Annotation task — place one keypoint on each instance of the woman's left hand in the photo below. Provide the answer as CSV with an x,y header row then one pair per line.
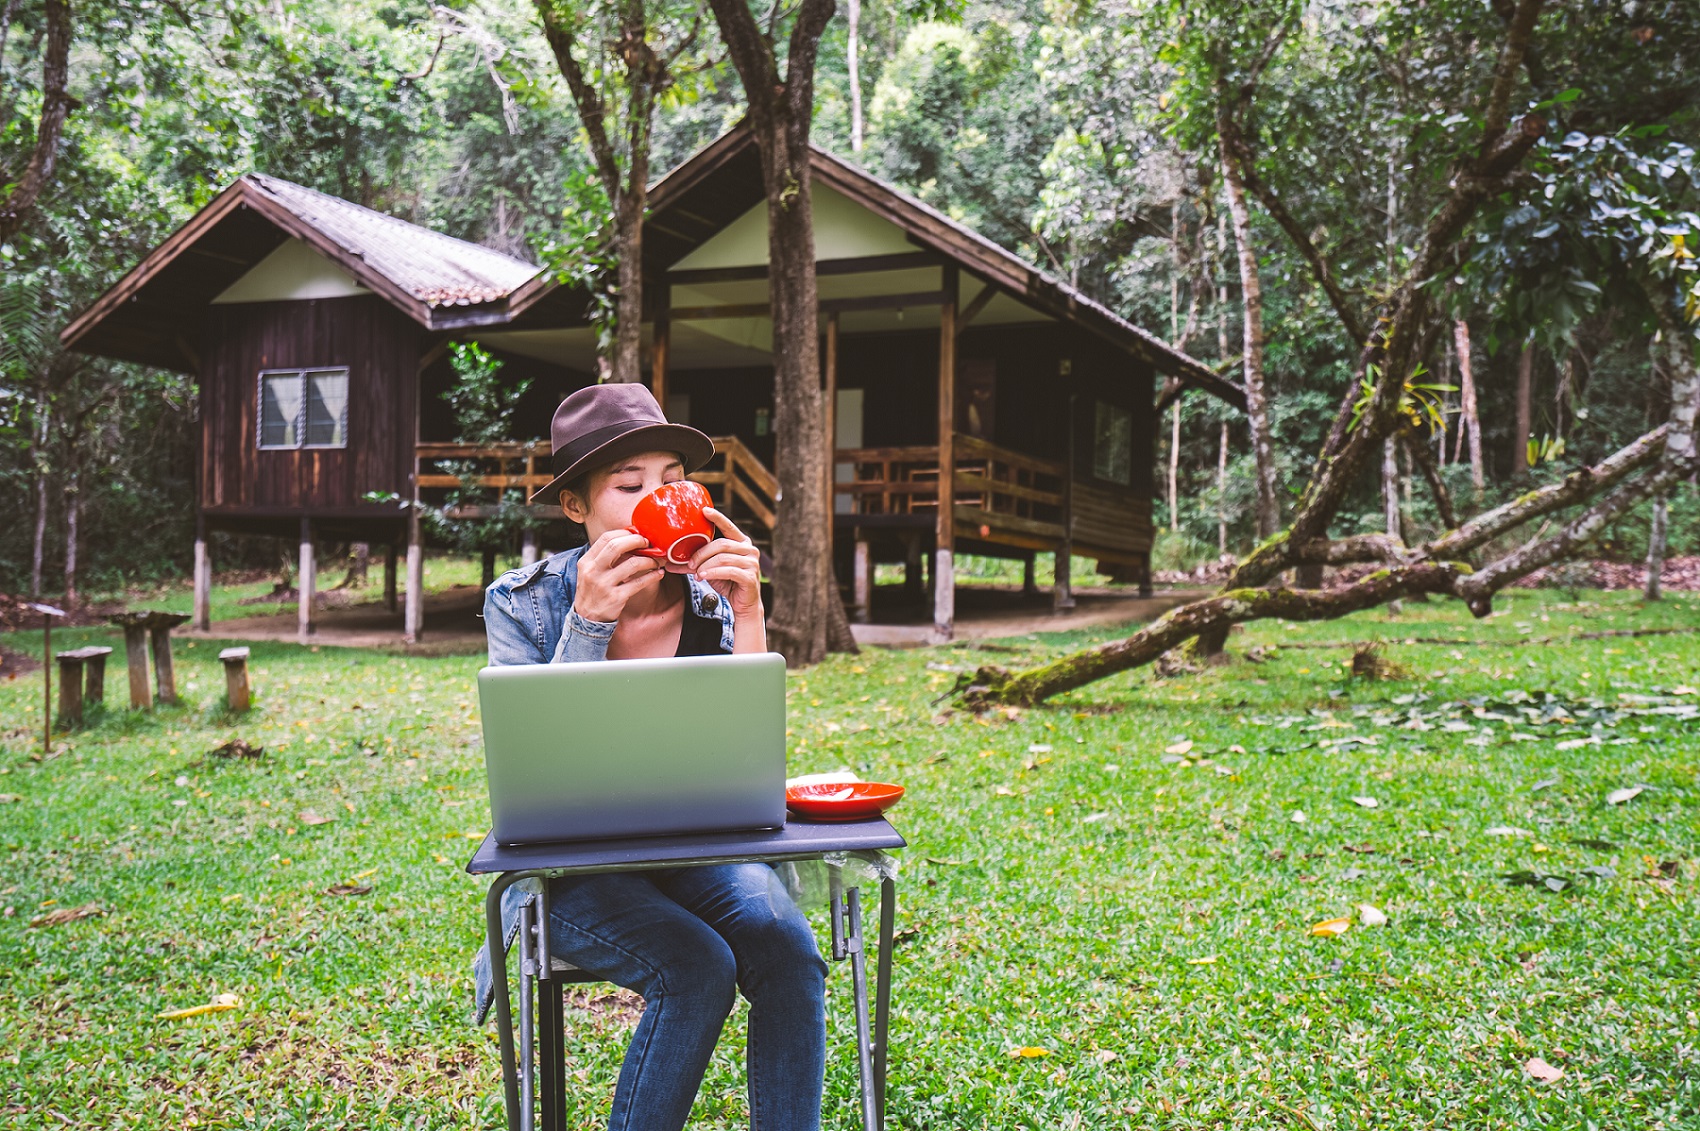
x,y
730,564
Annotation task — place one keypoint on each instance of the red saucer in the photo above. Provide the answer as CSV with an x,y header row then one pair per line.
x,y
842,801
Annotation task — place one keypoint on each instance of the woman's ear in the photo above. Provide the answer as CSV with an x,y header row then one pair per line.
x,y
573,507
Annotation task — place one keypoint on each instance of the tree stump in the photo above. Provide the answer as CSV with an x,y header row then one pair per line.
x,y
236,678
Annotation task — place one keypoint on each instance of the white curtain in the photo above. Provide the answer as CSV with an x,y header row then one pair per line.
x,y
280,410
327,407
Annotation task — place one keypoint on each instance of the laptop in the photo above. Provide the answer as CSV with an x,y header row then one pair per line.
x,y
627,748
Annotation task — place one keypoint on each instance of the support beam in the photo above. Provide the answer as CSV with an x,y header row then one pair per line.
x,y
658,353
306,583
389,577
975,306
864,582
1062,591
413,619
1029,576
829,357
236,690
944,540
202,618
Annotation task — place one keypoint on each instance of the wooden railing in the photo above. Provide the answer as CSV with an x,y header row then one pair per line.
x,y
739,483
993,484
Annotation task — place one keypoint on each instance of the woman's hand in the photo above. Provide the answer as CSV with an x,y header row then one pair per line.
x,y
731,565
610,574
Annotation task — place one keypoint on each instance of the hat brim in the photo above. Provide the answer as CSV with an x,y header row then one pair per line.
x,y
694,448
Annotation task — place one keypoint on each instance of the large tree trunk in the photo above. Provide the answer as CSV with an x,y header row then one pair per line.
x,y
1175,469
1525,410
780,115
1251,300
1656,550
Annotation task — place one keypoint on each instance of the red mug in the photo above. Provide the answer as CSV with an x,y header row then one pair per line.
x,y
671,518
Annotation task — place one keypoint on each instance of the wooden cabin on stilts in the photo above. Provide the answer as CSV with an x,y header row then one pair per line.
x,y
977,405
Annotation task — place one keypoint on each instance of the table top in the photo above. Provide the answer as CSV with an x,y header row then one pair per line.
x,y
798,840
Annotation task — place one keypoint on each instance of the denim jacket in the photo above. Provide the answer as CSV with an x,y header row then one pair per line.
x,y
529,619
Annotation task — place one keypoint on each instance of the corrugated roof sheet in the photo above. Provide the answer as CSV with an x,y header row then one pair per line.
x,y
434,268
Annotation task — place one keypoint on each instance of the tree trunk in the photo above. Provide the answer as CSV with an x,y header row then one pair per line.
x,y
1251,300
1656,550
42,476
780,114
853,58
1222,491
1525,407
1390,487
73,512
1467,396
1175,470
18,198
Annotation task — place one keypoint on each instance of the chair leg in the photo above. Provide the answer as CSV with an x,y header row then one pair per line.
x,y
527,1026
882,992
552,1054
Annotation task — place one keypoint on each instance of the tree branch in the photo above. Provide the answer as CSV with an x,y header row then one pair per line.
x,y
1424,459
592,111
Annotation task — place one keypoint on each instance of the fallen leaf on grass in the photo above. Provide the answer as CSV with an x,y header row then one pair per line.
x,y
1627,793
1366,802
1507,830
1179,747
8,798
1543,1071
348,889
1106,1056
1331,928
67,915
1039,748
1371,916
1298,817
1201,961
308,817
236,748
1004,791
1031,1052
217,1005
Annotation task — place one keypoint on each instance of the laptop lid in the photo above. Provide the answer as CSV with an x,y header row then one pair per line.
x,y
619,748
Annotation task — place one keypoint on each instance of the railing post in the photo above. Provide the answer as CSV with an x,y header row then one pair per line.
x,y
944,572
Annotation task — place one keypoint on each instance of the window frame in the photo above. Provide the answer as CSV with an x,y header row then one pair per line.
x,y
300,373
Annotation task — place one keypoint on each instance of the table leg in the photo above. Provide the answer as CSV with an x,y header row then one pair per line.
x,y
864,1040
882,992
504,1004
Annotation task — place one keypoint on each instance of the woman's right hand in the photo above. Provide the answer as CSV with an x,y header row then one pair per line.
x,y
611,573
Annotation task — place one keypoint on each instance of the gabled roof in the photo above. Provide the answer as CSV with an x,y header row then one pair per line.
x,y
722,181
151,315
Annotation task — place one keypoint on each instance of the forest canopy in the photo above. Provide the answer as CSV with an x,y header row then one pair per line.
x,y
1261,184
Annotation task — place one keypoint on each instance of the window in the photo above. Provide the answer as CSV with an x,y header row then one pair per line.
x,y
303,408
1112,443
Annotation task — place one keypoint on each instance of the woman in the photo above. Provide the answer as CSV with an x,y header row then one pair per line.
x,y
686,938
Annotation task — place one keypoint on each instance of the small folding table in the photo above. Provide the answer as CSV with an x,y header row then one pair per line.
x,y
796,841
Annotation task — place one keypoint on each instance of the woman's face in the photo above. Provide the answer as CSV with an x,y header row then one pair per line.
x,y
611,492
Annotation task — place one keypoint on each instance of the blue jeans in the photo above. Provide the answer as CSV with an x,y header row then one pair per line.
x,y
686,939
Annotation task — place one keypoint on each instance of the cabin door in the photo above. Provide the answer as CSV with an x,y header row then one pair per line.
x,y
848,416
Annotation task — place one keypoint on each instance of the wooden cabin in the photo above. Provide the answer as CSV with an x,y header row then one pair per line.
x,y
978,405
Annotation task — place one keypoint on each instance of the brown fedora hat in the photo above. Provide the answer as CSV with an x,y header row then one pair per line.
x,y
600,424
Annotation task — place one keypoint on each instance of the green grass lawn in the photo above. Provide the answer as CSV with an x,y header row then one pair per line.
x,y
1080,881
